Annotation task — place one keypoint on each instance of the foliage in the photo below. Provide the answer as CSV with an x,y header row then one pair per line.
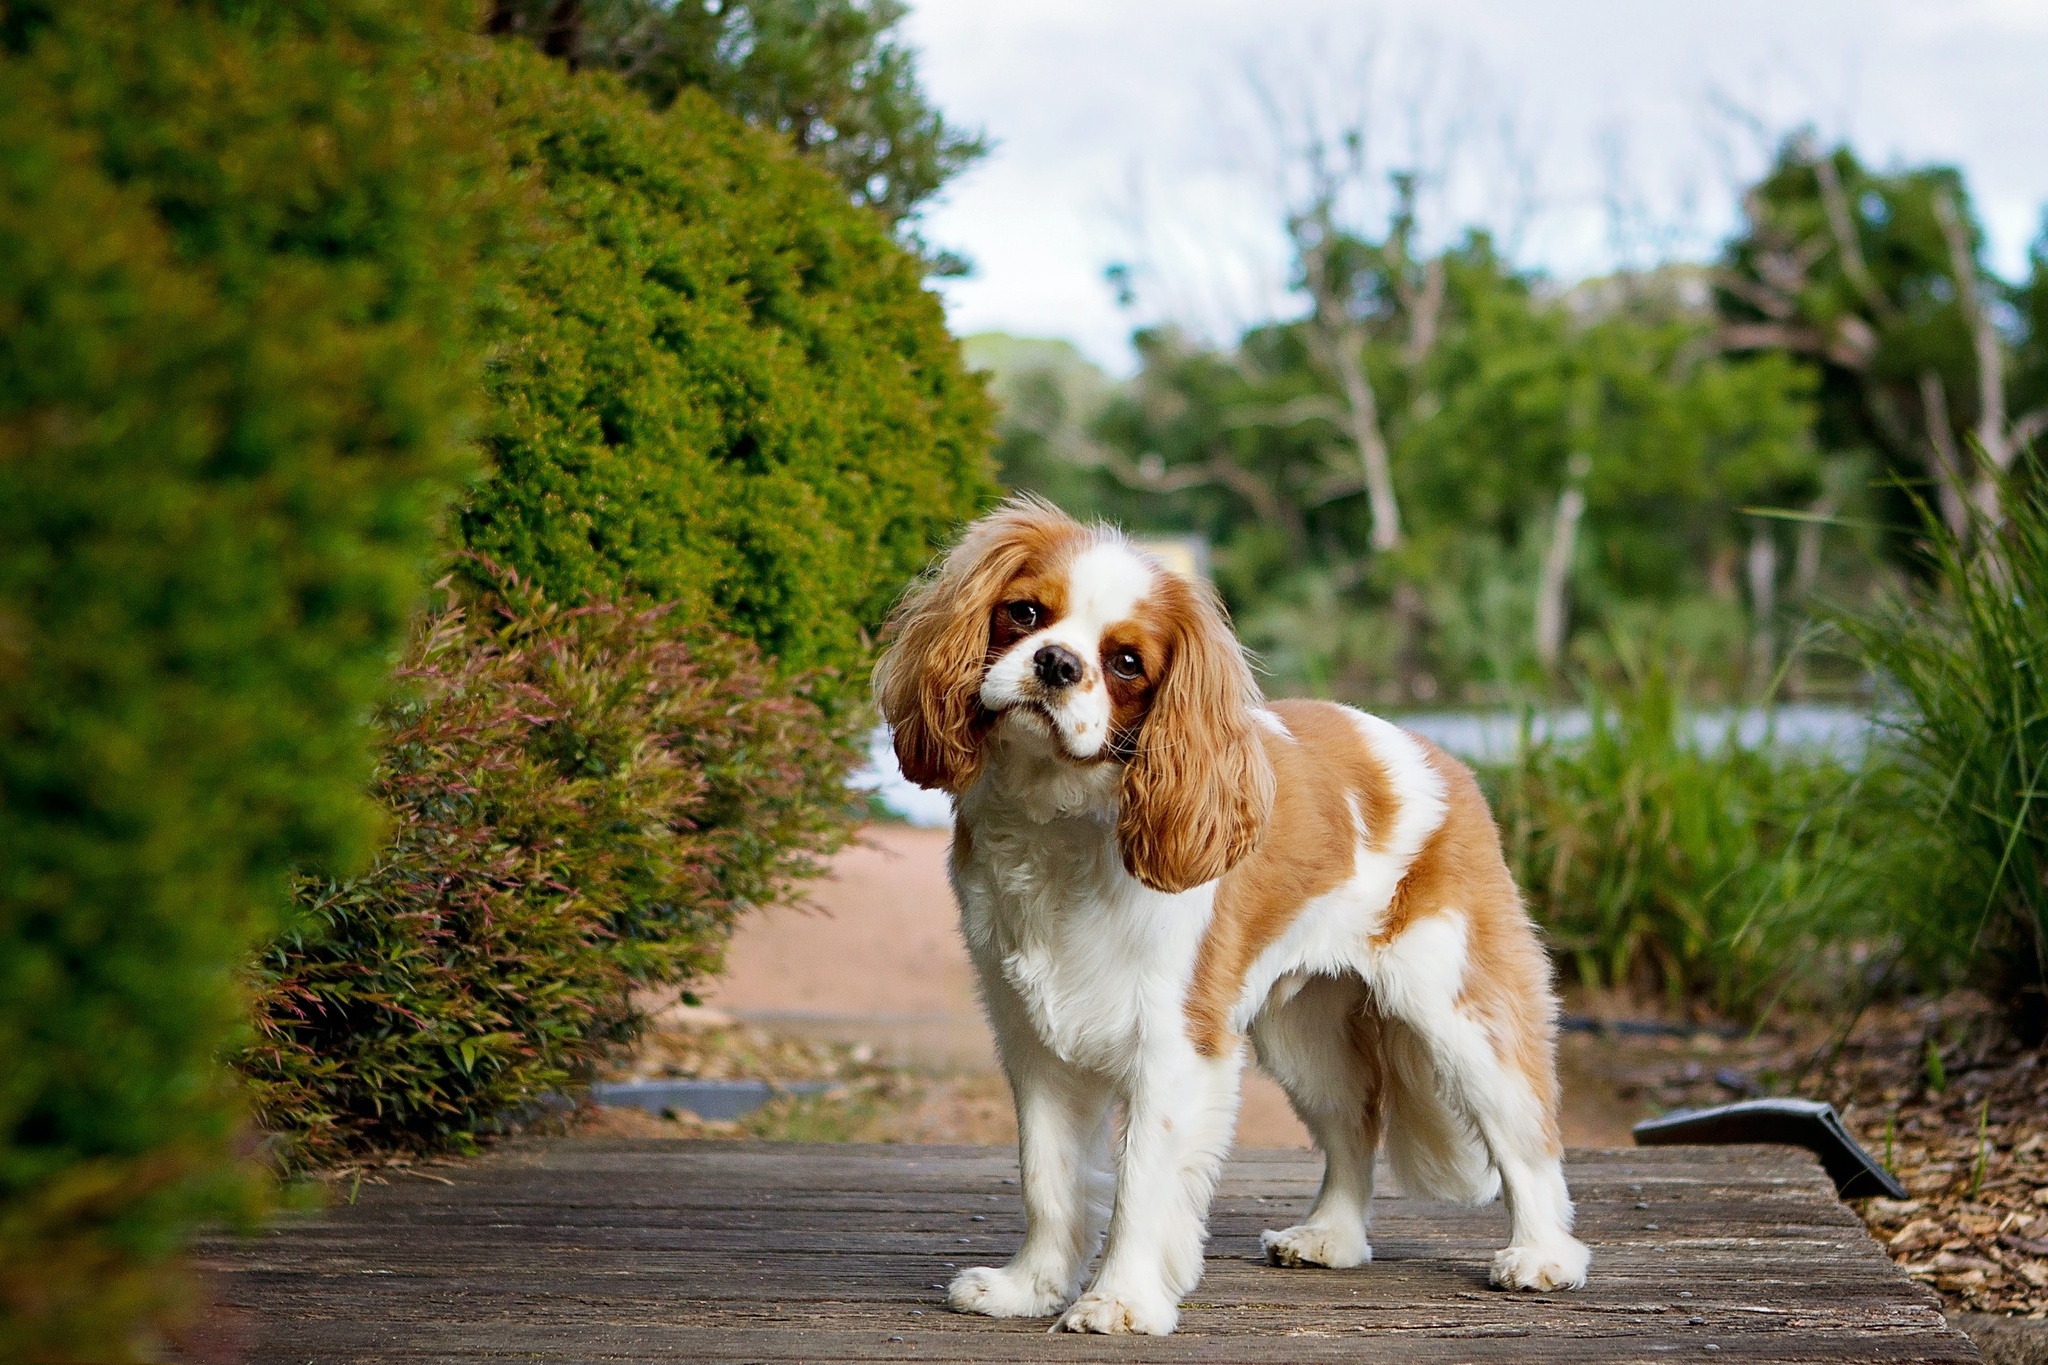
x,y
1665,858
722,386
1614,398
1966,823
828,75
1928,363
235,298
2030,360
717,386
1447,478
581,801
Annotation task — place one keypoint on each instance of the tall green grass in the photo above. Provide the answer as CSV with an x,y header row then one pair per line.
x,y
1698,868
1961,826
1734,876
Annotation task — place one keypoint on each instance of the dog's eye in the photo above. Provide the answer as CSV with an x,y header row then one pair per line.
x,y
1126,664
1024,614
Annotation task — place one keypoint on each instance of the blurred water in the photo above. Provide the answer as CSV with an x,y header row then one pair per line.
x,y
1491,736
880,775
1475,736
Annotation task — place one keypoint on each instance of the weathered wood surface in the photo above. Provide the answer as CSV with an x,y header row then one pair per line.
x,y
581,1250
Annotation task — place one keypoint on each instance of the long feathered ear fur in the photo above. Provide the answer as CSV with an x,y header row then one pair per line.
x,y
928,680
1198,790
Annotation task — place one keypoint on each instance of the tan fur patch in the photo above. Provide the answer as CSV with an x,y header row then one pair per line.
x,y
1310,848
928,680
1507,975
1197,789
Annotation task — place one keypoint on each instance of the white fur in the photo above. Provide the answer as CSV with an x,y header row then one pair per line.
x,y
1085,974
1270,720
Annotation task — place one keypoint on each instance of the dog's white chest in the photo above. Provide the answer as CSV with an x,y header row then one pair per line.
x,y
1086,950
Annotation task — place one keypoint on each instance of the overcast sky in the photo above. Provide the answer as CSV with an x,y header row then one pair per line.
x,y
1127,131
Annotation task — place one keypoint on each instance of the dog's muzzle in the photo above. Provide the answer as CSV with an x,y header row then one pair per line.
x,y
1057,667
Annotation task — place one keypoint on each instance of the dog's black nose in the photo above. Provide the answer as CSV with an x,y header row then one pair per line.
x,y
1057,666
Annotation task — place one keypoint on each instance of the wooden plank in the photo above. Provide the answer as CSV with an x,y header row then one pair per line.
x,y
707,1251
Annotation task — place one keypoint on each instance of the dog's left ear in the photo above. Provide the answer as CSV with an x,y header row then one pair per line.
x,y
928,680
1198,790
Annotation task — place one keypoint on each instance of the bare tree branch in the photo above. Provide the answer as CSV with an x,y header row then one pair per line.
x,y
1555,577
1849,344
1769,302
1763,605
1944,459
1310,407
1848,245
1337,341
1331,487
1150,474
1806,557
1771,336
1993,439
1783,264
2029,429
1425,308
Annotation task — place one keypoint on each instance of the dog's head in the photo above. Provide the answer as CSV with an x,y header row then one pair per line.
x,y
1073,635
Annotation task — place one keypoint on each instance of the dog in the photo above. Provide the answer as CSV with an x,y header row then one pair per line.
x,y
1155,867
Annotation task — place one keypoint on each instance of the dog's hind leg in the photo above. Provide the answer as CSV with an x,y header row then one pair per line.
x,y
1499,1071
1315,1038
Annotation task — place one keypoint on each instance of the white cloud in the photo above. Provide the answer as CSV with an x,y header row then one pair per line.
x,y
1087,100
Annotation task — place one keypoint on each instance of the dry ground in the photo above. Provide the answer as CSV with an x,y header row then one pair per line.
x,y
1958,1111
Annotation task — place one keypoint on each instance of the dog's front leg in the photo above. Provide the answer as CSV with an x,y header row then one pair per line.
x,y
1177,1130
1062,1150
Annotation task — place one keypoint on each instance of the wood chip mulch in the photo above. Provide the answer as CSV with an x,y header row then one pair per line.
x,y
1954,1107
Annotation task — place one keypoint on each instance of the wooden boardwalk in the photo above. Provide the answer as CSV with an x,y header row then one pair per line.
x,y
629,1251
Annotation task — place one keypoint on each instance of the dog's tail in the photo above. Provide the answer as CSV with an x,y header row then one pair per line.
x,y
1435,1151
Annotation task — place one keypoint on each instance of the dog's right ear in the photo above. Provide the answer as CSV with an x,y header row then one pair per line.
x,y
928,680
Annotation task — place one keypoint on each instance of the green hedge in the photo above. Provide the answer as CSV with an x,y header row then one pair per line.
x,y
581,802
721,384
720,387
240,252
235,287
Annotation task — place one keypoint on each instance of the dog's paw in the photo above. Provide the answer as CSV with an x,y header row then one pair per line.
x,y
997,1293
1556,1265
1312,1244
1117,1314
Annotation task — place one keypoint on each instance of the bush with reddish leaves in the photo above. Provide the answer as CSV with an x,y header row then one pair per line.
x,y
580,801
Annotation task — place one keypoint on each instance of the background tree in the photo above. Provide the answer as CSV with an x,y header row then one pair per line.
x,y
829,75
1877,279
1564,466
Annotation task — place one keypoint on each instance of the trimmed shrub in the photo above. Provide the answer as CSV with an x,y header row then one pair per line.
x,y
723,387
581,801
235,294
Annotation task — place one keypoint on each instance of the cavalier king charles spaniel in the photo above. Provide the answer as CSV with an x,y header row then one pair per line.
x,y
1156,866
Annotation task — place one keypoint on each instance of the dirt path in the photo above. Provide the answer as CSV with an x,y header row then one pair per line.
x,y
878,959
